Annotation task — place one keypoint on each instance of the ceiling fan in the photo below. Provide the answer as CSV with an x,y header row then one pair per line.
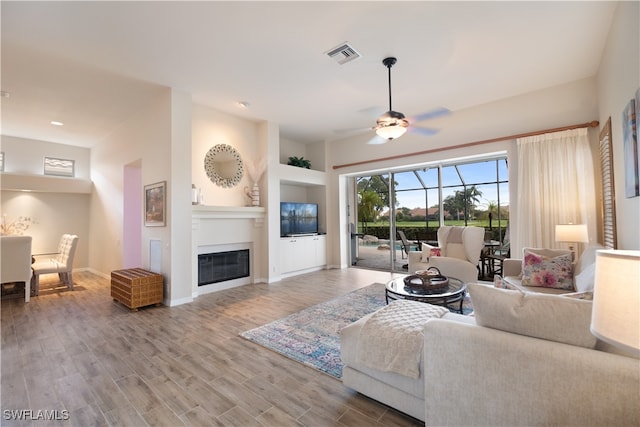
x,y
393,124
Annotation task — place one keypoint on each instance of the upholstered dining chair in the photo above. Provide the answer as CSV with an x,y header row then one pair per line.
x,y
60,262
15,266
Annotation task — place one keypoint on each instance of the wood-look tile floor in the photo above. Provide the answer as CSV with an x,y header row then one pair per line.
x,y
81,352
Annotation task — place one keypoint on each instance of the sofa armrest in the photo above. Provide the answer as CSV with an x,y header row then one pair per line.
x,y
511,267
483,376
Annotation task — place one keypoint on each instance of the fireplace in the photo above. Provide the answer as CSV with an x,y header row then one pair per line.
x,y
223,266
222,229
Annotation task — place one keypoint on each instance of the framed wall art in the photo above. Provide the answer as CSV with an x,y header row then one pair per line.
x,y
630,147
155,204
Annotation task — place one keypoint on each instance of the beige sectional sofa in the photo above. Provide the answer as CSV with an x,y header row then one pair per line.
x,y
522,359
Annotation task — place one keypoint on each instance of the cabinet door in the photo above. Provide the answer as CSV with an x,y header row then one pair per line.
x,y
321,251
288,254
301,253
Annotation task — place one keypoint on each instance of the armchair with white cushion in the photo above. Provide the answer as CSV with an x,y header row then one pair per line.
x,y
459,249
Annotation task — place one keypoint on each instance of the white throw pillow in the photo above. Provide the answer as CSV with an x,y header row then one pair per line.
x,y
550,317
585,280
429,251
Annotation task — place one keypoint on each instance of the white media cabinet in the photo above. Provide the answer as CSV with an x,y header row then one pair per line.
x,y
299,253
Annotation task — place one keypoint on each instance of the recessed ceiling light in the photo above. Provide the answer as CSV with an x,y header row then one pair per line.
x,y
56,123
243,104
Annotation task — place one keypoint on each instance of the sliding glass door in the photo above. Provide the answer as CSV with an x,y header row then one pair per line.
x,y
417,201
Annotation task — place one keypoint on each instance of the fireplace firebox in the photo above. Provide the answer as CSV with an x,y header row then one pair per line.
x,y
222,266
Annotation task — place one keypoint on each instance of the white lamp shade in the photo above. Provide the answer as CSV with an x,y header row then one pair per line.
x,y
573,233
391,132
616,299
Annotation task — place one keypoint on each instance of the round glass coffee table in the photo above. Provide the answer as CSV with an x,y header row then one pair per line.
x,y
396,289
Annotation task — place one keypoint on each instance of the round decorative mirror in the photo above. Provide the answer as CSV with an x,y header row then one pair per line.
x,y
224,166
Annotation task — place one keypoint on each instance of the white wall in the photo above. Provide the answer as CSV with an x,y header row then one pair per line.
x,y
26,156
54,212
617,82
210,128
159,141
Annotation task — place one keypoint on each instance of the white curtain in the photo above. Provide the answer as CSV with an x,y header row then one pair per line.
x,y
555,186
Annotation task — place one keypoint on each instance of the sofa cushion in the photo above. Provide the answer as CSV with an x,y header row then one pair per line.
x,y
547,268
549,317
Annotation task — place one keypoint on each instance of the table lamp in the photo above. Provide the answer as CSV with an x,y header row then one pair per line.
x,y
572,234
615,318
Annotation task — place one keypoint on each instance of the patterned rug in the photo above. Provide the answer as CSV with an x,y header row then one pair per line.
x,y
312,337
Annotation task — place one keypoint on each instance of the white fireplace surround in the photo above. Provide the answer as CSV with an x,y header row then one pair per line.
x,y
220,229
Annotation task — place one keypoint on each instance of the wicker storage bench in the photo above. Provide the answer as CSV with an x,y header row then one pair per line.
x,y
136,287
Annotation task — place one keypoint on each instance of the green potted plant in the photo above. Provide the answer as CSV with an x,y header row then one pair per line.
x,y
300,162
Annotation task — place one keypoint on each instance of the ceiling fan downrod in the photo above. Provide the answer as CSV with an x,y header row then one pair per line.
x,y
388,62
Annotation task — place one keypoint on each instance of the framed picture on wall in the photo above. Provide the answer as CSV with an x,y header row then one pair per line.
x,y
155,204
630,147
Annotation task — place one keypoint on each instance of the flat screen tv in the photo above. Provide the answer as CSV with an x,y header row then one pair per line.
x,y
298,218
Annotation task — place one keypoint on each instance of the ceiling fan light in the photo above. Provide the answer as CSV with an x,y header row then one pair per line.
x,y
391,132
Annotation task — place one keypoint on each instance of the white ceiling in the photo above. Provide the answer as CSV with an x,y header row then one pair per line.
x,y
92,64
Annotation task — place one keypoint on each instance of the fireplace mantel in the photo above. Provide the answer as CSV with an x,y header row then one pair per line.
x,y
225,228
228,212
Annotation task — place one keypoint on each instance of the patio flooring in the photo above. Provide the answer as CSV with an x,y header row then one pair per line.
x,y
378,257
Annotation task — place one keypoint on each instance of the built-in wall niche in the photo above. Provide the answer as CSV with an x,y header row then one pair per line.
x,y
314,153
307,194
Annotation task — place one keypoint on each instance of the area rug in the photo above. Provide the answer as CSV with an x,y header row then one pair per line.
x,y
312,336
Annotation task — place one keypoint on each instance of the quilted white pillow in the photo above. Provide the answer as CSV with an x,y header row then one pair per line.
x,y
550,317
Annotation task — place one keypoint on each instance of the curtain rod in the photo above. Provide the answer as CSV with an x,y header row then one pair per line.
x,y
591,124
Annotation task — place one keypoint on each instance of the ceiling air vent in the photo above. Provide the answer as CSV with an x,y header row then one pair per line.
x,y
343,54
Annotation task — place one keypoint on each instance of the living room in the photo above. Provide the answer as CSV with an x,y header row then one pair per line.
x,y
171,117
167,134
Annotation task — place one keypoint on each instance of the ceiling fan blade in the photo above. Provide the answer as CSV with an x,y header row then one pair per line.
x,y
377,140
372,111
351,131
423,131
431,114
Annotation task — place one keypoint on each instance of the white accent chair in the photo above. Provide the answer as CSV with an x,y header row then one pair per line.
x,y
460,252
16,261
60,262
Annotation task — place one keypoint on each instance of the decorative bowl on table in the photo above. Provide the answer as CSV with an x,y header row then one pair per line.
x,y
424,282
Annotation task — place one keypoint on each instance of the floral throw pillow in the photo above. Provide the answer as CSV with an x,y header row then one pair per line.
x,y
547,268
429,251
